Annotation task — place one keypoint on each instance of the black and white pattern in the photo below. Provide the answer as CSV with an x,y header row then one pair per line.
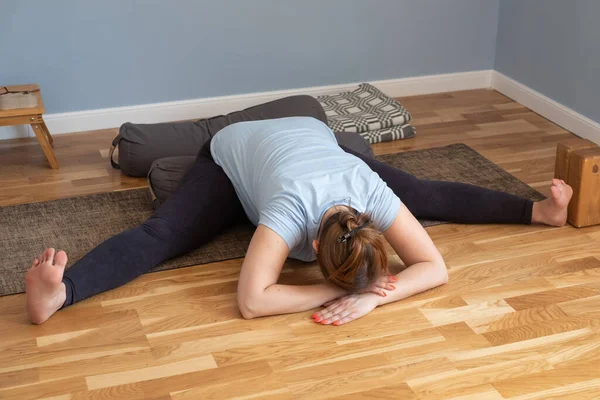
x,y
369,112
397,132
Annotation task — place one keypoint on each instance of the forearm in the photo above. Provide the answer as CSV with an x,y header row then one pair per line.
x,y
285,299
417,278
413,245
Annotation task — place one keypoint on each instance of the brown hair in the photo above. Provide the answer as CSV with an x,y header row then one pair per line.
x,y
351,251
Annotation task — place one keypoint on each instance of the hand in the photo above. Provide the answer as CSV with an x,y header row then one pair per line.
x,y
346,309
385,282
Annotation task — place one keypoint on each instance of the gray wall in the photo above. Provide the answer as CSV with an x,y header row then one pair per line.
x,y
108,53
553,46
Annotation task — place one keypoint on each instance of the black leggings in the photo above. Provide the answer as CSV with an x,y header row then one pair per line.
x,y
206,204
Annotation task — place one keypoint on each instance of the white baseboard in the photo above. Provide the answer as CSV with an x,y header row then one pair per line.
x,y
561,115
89,120
80,121
15,132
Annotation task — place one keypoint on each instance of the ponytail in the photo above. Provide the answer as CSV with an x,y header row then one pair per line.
x,y
352,252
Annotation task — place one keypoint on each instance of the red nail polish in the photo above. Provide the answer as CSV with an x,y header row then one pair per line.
x,y
336,323
317,319
324,322
393,278
314,315
384,294
393,287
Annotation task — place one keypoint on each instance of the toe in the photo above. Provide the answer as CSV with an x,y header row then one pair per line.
x,y
556,182
36,262
46,254
49,253
556,192
60,260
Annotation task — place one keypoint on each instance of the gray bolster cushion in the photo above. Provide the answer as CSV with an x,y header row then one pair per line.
x,y
140,144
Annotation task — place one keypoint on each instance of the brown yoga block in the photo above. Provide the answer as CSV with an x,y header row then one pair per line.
x,y
584,177
563,151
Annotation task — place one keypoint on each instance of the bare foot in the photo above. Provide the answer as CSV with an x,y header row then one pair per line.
x,y
43,284
553,210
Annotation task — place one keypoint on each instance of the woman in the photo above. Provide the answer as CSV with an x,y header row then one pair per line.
x,y
310,199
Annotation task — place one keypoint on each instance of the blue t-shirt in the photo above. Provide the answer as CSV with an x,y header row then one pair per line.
x,y
287,172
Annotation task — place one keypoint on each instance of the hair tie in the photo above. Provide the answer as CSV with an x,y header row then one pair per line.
x,y
352,232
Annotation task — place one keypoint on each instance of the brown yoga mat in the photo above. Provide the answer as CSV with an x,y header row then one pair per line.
x,y
78,224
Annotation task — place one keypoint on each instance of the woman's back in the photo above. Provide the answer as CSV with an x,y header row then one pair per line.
x,y
287,172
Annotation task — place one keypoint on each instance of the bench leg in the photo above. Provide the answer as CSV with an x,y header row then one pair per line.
x,y
43,137
47,132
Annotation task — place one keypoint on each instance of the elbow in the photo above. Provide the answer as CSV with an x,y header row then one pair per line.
x,y
246,313
443,273
444,278
248,308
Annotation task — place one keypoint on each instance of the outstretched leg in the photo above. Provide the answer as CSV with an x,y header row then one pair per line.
x,y
204,205
469,204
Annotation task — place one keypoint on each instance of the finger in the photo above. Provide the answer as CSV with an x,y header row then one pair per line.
x,y
330,312
387,279
320,315
379,292
347,319
317,316
386,286
333,319
341,315
339,308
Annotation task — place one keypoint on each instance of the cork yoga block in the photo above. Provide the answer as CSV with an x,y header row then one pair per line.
x,y
584,177
563,152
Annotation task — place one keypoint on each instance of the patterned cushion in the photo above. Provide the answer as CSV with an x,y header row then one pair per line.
x,y
397,132
366,110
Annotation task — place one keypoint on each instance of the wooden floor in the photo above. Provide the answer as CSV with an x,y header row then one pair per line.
x,y
520,318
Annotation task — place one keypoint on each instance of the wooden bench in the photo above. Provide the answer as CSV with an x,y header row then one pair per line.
x,y
30,116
